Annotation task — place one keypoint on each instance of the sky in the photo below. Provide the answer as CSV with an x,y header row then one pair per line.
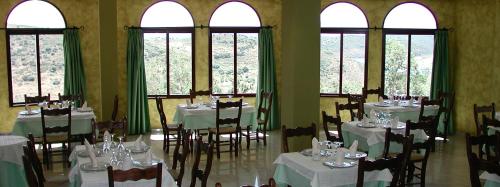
x,y
36,13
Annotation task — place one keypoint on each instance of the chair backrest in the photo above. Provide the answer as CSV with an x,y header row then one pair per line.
x,y
115,127
36,99
135,174
349,107
490,164
482,110
430,128
57,112
489,122
271,183
180,157
28,171
360,100
397,138
266,97
299,131
161,113
393,164
197,173
334,120
115,108
449,99
37,165
221,122
378,91
78,99
425,103
193,94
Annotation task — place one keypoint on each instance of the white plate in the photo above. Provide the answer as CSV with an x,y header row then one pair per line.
x,y
84,109
85,153
100,144
194,106
410,106
381,105
345,164
244,104
389,126
308,152
142,149
358,155
27,113
369,125
143,163
101,166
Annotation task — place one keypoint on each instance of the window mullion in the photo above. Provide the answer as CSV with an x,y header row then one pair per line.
x,y
341,65
38,64
408,66
235,64
167,40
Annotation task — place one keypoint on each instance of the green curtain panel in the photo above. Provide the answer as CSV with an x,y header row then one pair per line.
x,y
441,72
74,76
138,112
267,74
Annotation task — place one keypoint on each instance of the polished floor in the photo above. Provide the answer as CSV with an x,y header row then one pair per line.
x,y
447,166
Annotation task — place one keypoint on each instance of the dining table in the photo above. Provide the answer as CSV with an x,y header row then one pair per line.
x,y
371,138
202,116
81,178
490,179
32,122
297,169
11,162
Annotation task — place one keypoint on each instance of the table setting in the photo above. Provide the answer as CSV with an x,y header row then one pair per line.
x,y
90,162
325,164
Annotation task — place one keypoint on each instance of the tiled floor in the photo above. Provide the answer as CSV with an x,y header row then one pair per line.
x,y
447,166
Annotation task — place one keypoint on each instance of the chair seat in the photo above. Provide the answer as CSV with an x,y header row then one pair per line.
x,y
223,130
174,173
416,157
53,139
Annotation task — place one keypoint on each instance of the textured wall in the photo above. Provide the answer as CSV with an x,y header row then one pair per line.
x,y
130,12
77,13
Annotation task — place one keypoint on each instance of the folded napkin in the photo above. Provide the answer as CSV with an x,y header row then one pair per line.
x,y
84,104
420,99
380,99
106,136
391,98
339,157
138,142
365,121
395,122
127,163
149,157
410,103
315,146
90,150
188,102
354,148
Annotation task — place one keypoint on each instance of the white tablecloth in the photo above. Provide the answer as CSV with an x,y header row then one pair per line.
x,y
204,116
321,175
80,123
490,177
404,113
377,135
497,115
100,179
11,149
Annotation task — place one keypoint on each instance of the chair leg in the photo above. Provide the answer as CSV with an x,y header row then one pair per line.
x,y
231,143
248,138
237,143
217,144
164,142
264,135
445,135
168,143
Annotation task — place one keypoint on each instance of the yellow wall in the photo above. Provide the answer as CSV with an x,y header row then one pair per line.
x,y
77,13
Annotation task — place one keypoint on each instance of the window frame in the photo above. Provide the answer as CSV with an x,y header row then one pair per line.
x,y
174,30
235,31
343,31
27,31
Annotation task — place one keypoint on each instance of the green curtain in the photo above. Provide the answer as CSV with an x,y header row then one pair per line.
x,y
267,74
441,72
138,112
74,76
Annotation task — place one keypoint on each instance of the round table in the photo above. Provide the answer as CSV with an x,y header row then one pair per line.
x,y
11,162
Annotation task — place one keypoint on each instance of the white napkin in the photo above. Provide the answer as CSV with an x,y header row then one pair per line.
x,y
106,136
188,103
315,146
395,122
410,103
138,142
365,121
420,99
380,99
92,156
373,115
354,148
127,163
339,157
391,98
149,157
84,106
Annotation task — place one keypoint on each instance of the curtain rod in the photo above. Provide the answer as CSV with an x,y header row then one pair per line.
x,y
74,27
196,27
441,29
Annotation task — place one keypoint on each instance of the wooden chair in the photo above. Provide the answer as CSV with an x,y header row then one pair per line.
x,y
406,142
378,91
360,101
193,94
49,131
430,128
299,131
168,129
482,110
36,99
335,120
135,174
262,119
78,99
32,155
196,173
349,107
428,103
115,108
489,122
271,183
225,126
28,171
448,98
393,164
477,164
486,146
180,157
119,128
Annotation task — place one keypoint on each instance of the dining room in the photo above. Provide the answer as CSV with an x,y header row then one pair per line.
x,y
249,93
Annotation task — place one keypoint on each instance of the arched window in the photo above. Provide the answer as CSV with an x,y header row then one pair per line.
x,y
168,49
35,51
344,31
408,50
234,28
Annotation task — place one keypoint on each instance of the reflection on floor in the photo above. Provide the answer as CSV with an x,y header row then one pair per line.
x,y
447,166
